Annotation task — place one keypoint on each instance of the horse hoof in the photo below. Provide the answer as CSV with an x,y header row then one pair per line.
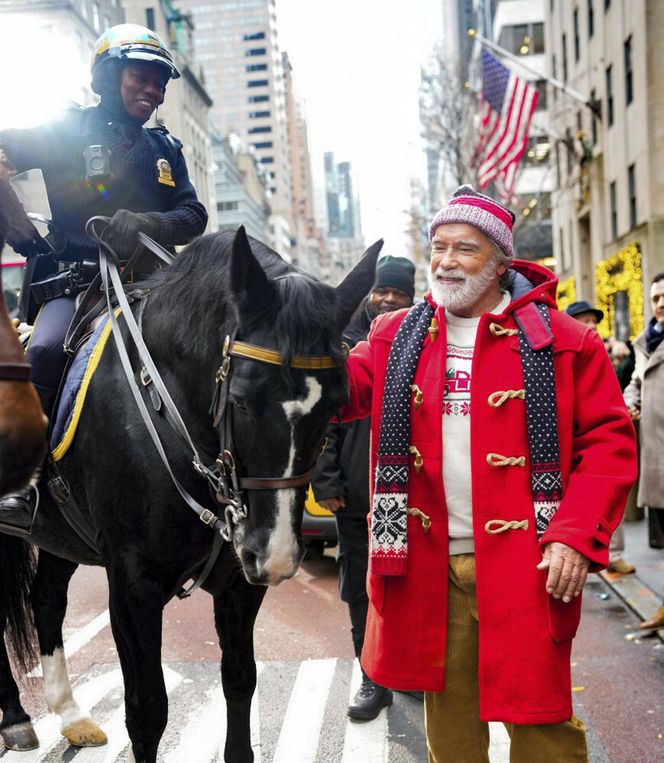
x,y
85,733
20,737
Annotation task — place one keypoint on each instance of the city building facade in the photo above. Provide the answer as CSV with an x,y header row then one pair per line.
x,y
608,205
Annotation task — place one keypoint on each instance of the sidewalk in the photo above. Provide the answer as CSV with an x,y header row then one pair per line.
x,y
643,592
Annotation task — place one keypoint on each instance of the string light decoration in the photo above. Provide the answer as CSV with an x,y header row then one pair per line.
x,y
566,293
620,273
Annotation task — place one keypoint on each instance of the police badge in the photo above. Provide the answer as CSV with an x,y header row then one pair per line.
x,y
164,170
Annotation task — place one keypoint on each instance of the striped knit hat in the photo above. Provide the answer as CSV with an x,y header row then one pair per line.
x,y
473,208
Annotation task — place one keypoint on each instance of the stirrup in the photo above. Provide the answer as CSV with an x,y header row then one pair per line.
x,y
17,530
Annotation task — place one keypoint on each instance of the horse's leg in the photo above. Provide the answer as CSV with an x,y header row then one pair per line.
x,y
49,602
16,729
235,610
136,604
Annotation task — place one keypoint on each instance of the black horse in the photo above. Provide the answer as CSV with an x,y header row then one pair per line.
x,y
231,322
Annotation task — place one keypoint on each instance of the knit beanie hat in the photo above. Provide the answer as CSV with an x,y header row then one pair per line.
x,y
473,208
397,272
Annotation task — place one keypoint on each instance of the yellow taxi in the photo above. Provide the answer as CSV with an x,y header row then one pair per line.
x,y
319,528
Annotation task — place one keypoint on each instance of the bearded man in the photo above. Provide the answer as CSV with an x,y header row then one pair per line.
x,y
502,455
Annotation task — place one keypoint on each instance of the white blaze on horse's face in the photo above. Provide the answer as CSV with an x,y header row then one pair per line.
x,y
283,553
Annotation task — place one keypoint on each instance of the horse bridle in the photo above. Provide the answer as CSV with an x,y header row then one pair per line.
x,y
224,422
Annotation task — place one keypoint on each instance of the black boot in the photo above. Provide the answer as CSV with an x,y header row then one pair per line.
x,y
17,511
369,700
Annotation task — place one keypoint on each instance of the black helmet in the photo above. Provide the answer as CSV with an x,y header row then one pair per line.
x,y
127,42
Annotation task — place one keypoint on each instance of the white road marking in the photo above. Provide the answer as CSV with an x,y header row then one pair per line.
x,y
300,731
367,741
116,730
204,735
48,726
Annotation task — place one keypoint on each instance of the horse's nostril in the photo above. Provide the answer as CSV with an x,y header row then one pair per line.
x,y
249,560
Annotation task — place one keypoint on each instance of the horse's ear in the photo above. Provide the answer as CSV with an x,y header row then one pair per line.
x,y
356,285
248,283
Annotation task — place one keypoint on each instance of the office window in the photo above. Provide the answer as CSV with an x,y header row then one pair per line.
x,y
258,99
256,67
256,130
591,18
564,54
267,144
614,210
554,90
267,160
540,84
149,18
577,44
258,114
257,83
593,124
255,52
607,4
631,190
255,36
569,147
227,206
629,73
523,39
609,96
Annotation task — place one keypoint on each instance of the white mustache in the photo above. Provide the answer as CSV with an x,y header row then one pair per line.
x,y
453,274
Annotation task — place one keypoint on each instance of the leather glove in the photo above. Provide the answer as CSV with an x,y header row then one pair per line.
x,y
122,232
25,239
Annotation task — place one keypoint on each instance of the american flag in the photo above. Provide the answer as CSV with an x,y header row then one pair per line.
x,y
507,105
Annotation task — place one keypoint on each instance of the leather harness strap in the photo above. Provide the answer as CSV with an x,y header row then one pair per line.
x,y
14,372
252,351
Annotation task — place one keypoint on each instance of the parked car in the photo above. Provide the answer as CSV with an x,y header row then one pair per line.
x,y
319,528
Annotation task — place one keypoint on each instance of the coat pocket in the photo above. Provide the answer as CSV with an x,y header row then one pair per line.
x,y
564,618
376,591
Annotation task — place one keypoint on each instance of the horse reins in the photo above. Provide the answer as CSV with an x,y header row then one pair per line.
x,y
224,482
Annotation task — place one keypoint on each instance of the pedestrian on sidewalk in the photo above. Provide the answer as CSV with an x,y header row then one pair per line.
x,y
592,317
498,436
341,479
644,396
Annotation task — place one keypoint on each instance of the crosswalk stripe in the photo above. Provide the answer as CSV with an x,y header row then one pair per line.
x,y
366,742
115,728
47,727
300,732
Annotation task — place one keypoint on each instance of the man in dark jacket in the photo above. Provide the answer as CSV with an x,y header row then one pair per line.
x,y
341,479
98,161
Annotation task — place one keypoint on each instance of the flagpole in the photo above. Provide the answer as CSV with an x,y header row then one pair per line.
x,y
594,106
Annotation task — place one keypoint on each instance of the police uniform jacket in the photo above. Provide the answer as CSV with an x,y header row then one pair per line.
x,y
137,168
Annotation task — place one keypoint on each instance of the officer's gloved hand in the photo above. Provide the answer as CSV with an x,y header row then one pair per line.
x,y
122,232
25,239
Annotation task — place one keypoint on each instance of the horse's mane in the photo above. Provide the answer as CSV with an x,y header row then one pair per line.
x,y
302,311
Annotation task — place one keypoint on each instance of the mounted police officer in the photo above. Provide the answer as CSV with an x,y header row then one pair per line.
x,y
98,161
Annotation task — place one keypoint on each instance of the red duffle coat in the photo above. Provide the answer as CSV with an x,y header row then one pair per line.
x,y
525,635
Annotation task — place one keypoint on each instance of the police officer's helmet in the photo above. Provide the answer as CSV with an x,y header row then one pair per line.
x,y
129,42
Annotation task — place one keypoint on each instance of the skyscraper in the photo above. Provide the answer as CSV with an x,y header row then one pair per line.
x,y
236,46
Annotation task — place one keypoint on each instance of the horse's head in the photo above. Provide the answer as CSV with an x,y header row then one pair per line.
x,y
276,413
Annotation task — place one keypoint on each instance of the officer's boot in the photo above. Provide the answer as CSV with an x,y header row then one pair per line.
x,y
17,511
369,700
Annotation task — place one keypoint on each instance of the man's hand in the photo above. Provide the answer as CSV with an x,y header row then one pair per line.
x,y
333,504
123,230
635,413
568,570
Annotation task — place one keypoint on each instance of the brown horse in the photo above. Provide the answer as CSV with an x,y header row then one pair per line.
x,y
22,421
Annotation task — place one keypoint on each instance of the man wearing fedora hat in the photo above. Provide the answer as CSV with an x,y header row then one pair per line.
x,y
591,316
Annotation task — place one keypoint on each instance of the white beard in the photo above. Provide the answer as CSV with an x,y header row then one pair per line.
x,y
466,291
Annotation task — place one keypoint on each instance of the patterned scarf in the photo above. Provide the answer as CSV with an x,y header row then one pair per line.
x,y
389,518
541,419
